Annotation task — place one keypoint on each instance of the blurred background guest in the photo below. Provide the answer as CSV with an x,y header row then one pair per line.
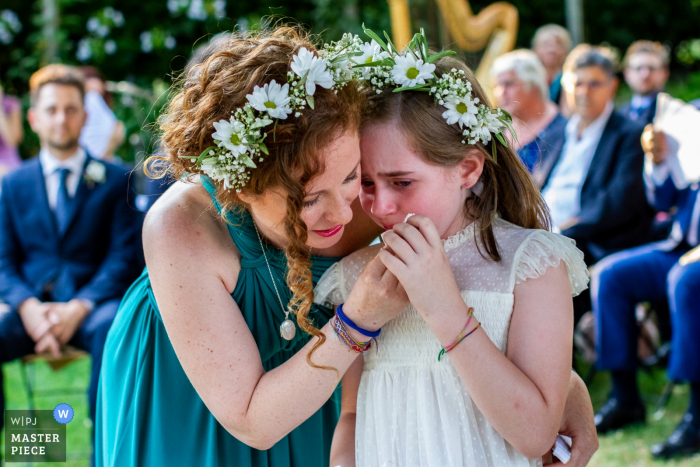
x,y
70,244
11,132
552,44
593,185
646,73
103,133
521,89
659,272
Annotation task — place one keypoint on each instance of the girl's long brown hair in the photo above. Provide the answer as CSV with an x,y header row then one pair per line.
x,y
210,90
508,189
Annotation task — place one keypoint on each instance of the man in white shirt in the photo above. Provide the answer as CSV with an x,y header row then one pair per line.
x,y
593,183
69,242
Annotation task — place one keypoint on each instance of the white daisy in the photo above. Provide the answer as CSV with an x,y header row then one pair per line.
x,y
371,52
462,111
231,135
271,98
488,124
409,72
306,63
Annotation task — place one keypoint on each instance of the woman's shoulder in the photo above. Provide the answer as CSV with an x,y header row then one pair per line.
x,y
184,222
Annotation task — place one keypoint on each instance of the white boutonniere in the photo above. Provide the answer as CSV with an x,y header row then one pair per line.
x,y
95,172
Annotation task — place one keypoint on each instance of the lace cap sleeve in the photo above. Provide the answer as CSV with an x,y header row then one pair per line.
x,y
336,283
330,290
543,249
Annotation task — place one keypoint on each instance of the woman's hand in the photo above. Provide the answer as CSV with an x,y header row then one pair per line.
x,y
375,298
420,263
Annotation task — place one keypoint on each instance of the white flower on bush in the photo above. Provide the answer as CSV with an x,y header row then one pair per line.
x,y
110,47
462,111
307,64
170,43
410,71
271,98
231,135
95,172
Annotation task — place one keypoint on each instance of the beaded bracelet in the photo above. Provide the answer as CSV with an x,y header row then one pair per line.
x,y
461,335
348,321
342,334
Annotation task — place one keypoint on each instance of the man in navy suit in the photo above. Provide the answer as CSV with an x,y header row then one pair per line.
x,y
646,73
659,271
69,242
592,182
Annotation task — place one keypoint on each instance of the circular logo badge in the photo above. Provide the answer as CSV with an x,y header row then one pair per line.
x,y
63,413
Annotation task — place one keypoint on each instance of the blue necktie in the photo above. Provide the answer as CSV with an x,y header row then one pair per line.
x,y
62,200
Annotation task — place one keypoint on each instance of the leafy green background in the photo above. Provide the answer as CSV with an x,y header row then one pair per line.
x,y
615,22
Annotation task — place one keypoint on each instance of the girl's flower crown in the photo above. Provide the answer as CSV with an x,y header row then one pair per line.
x,y
239,141
414,71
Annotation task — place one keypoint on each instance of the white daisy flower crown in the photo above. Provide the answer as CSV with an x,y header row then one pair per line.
x,y
239,141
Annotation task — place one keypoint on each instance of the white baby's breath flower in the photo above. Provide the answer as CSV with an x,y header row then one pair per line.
x,y
230,134
271,98
307,64
409,72
462,111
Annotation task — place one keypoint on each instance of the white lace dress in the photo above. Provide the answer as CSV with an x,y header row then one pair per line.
x,y
413,411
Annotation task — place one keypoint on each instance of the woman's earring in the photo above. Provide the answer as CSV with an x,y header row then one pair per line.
x,y
466,185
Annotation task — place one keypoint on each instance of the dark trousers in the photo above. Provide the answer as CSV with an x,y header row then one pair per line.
x,y
647,273
90,336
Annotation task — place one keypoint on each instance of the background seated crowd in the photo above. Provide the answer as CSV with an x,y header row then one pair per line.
x,y
70,241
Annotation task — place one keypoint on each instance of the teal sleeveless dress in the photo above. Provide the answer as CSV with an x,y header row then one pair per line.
x,y
148,412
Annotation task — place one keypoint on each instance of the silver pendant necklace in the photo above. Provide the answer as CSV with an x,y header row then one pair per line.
x,y
287,328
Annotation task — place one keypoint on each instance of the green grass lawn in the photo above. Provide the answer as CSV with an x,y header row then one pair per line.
x,y
628,448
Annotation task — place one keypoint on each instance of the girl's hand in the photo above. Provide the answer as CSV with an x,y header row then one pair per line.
x,y
375,298
420,263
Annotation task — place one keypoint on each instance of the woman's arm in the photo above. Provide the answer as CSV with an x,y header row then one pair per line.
x,y
11,131
578,424
522,394
343,447
194,266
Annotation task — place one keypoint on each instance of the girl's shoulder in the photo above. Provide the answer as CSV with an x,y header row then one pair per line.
x,y
336,283
530,252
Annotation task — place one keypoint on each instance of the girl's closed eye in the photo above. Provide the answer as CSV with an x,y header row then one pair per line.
x,y
403,183
308,204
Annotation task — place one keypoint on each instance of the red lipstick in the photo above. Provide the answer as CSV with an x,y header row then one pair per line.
x,y
329,232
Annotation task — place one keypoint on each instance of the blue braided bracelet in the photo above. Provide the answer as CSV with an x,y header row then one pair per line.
x,y
348,321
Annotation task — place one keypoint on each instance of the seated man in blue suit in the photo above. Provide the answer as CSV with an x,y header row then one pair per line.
x,y
658,271
69,242
592,182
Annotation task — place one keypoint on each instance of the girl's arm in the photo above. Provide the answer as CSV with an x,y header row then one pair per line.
x,y
343,447
194,267
522,394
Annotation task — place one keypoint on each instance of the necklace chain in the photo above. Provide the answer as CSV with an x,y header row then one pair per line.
x,y
286,311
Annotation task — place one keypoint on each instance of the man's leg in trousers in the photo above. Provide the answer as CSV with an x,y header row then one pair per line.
x,y
619,282
14,343
684,301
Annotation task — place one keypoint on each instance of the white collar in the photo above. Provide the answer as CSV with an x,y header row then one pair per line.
x,y
596,127
49,163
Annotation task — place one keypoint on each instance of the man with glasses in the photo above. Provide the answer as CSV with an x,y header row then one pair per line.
x,y
593,181
646,73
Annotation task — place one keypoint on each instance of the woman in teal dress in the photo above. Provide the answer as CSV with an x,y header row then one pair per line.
x,y
196,372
